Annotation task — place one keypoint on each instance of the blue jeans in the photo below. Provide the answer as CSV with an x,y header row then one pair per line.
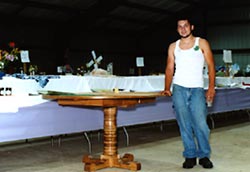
x,y
191,114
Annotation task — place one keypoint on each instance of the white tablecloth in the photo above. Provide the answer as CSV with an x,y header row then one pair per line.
x,y
71,83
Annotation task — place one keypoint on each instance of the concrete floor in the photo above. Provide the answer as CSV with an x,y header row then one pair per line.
x,y
157,151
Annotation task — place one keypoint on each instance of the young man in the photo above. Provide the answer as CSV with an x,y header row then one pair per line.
x,y
185,62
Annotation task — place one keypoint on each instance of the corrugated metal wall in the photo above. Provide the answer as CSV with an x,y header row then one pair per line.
x,y
230,29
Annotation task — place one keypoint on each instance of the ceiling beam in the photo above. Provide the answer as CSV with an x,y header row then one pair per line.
x,y
26,21
131,20
100,9
190,2
146,8
27,3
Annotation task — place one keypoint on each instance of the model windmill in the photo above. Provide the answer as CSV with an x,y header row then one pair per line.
x,y
95,61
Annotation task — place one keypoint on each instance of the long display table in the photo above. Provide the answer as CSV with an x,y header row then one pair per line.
x,y
26,115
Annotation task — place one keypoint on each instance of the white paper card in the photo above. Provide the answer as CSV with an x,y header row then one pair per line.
x,y
140,61
59,69
24,54
227,56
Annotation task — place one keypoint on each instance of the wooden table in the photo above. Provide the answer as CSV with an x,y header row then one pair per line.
x,y
109,102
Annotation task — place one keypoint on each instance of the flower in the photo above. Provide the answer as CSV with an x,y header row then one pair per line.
x,y
8,56
12,44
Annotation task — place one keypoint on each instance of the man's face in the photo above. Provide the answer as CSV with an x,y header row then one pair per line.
x,y
184,28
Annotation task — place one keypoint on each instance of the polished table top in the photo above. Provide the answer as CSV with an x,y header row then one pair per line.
x,y
104,99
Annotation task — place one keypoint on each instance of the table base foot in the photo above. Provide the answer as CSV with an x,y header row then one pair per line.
x,y
105,161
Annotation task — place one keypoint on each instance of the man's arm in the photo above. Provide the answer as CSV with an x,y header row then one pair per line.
x,y
169,71
205,47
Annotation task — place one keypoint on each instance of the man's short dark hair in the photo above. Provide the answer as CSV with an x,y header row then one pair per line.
x,y
184,17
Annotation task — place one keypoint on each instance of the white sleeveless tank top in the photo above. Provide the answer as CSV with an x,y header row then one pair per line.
x,y
189,66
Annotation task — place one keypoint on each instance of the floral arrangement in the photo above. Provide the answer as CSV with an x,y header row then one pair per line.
x,y
8,56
